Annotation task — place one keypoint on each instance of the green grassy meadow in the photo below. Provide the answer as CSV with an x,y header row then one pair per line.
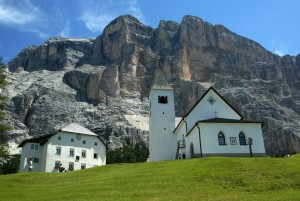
x,y
214,178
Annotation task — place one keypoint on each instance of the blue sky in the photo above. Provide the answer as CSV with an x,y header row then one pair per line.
x,y
272,23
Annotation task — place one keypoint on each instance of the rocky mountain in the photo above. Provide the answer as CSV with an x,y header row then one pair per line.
x,y
103,83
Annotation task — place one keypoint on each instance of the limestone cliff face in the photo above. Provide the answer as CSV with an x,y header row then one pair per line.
x,y
103,83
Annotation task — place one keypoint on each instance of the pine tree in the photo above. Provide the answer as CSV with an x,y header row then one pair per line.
x,y
3,128
8,164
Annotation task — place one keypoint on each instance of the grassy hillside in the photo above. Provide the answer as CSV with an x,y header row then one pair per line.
x,y
197,179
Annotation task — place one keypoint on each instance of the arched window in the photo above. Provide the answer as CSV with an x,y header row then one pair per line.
x,y
221,138
242,138
192,150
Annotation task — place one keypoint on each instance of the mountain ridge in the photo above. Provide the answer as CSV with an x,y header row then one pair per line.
x,y
104,82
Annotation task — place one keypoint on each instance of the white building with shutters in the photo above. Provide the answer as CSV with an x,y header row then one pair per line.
x,y
212,127
72,147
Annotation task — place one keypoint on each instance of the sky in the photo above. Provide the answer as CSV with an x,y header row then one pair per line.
x,y
272,23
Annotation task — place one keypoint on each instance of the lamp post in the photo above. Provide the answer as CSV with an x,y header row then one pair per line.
x,y
250,141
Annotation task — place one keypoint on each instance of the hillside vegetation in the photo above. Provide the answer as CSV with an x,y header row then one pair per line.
x,y
213,178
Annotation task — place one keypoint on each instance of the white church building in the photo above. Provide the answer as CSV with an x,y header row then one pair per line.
x,y
212,127
73,147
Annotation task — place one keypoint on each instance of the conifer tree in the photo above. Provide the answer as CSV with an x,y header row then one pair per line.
x,y
8,164
3,98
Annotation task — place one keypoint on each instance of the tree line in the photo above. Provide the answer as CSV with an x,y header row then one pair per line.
x,y
129,153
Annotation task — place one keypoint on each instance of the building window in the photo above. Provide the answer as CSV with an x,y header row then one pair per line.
x,y
36,160
32,146
57,164
242,138
72,139
83,166
96,156
71,152
59,138
96,143
58,150
221,138
83,154
71,166
84,142
77,158
36,147
163,99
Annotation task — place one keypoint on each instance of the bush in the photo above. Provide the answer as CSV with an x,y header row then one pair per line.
x,y
128,154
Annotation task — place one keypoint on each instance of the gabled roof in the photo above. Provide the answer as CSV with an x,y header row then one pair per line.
x,y
76,128
221,120
42,139
211,88
71,128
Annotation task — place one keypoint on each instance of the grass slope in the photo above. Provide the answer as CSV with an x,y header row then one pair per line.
x,y
213,178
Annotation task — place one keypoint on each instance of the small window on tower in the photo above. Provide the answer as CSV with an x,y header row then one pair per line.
x,y
163,99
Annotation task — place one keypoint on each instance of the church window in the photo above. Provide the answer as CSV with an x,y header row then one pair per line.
x,y
242,138
211,100
163,99
221,138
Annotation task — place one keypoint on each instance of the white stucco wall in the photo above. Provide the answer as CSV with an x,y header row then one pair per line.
x,y
78,146
27,153
47,152
205,110
162,141
209,138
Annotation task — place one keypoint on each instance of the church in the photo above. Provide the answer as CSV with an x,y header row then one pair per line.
x,y
212,127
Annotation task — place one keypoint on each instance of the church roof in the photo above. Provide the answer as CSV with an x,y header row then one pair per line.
x,y
223,120
160,80
211,88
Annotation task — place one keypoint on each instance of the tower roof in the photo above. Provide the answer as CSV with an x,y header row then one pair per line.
x,y
160,80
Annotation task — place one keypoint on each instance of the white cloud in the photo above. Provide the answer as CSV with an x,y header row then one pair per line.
x,y
96,22
23,16
13,16
96,14
66,30
279,52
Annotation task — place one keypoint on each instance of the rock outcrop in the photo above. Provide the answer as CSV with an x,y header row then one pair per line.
x,y
103,83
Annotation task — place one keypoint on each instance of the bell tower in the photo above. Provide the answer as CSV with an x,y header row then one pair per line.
x,y
162,141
